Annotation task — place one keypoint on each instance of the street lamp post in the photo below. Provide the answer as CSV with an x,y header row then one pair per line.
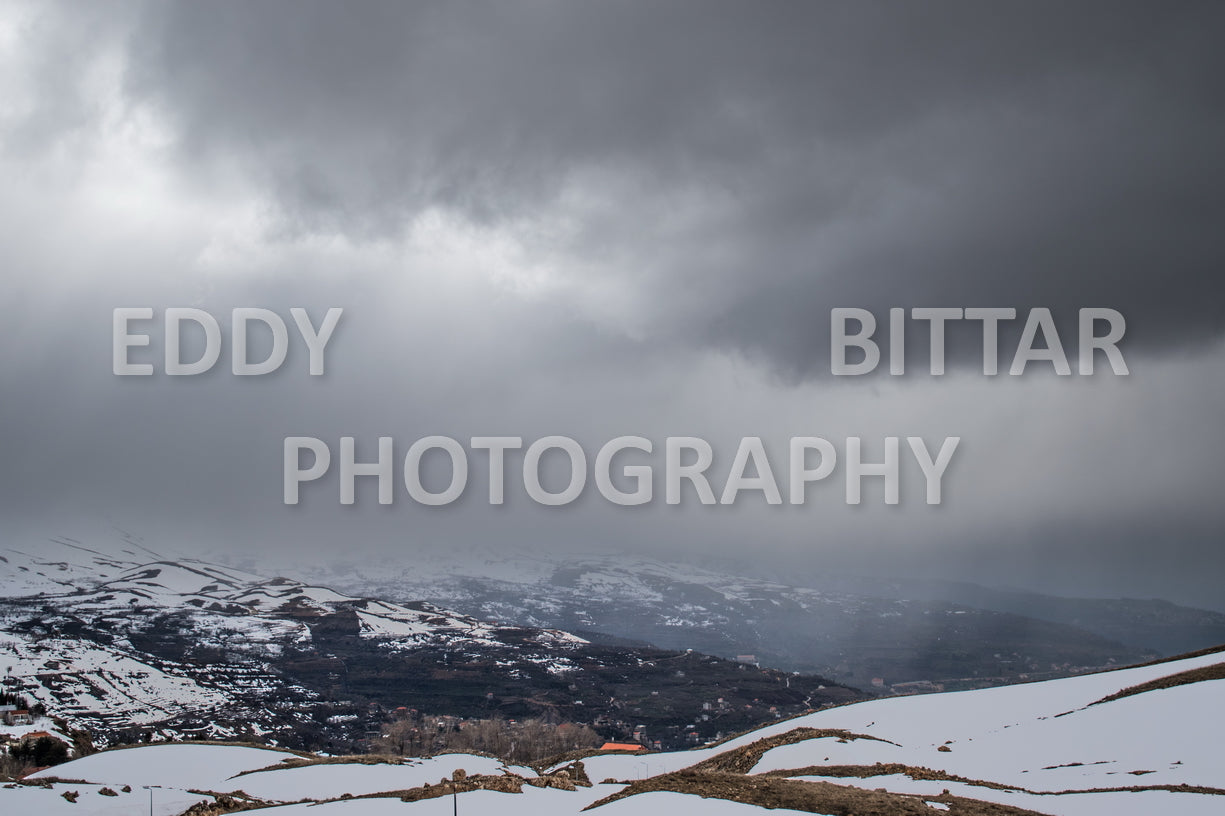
x,y
150,789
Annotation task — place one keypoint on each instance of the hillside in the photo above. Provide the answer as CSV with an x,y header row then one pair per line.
x,y
854,635
1072,747
128,645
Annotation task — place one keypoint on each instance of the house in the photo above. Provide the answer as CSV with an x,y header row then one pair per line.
x,y
622,746
747,659
17,716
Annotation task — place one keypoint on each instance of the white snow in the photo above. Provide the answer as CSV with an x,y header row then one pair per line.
x,y
663,803
202,767
1012,735
13,732
92,677
21,799
332,780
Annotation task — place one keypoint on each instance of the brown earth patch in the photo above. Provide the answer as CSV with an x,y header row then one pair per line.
x,y
222,804
919,772
741,760
305,761
889,769
810,797
1214,672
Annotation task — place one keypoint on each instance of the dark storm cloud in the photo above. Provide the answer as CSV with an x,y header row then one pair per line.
x,y
863,154
686,178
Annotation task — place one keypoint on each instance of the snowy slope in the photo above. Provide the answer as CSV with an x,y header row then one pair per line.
x,y
1040,737
74,677
532,802
65,564
202,767
114,636
179,769
1054,748
90,801
320,782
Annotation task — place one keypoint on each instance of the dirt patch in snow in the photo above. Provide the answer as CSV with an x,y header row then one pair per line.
x,y
568,779
223,803
300,761
1214,672
810,797
743,759
888,769
921,773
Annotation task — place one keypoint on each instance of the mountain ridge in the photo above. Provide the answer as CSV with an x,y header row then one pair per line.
x,y
853,638
121,645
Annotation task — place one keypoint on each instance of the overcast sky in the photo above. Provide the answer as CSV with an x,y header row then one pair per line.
x,y
599,219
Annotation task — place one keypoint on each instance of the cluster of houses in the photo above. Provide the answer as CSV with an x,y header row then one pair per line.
x,y
12,715
30,736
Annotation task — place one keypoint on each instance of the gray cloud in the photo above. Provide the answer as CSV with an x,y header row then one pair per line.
x,y
946,154
624,218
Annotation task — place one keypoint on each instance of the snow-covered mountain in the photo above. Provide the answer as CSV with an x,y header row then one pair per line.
x,y
127,644
123,637
853,637
1131,742
74,578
